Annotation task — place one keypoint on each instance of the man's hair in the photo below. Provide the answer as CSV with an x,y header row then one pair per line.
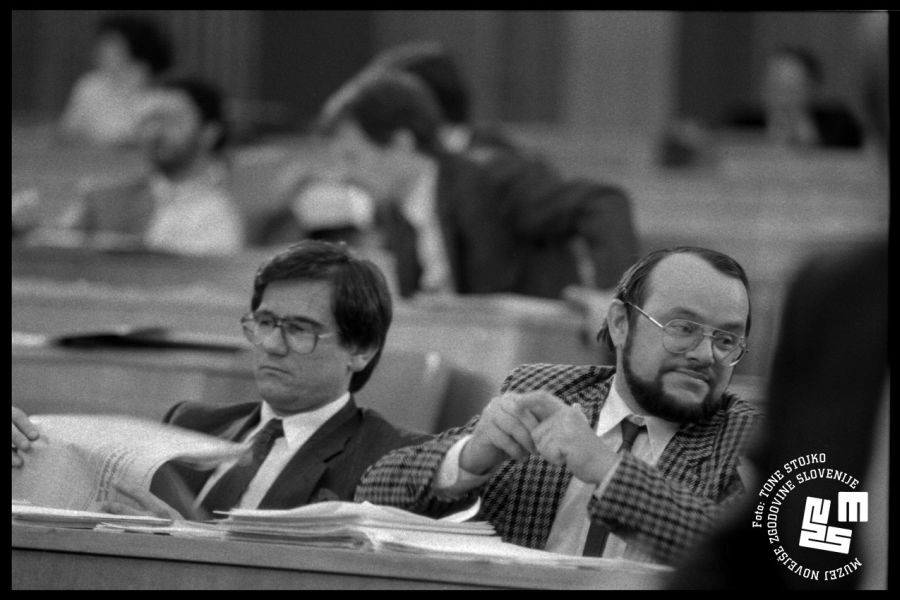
x,y
360,300
436,68
383,102
207,98
632,288
145,39
806,58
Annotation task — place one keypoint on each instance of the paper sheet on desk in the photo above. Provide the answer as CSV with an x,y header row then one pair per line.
x,y
337,516
77,459
81,519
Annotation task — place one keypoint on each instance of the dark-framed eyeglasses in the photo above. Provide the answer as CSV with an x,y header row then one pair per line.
x,y
297,335
682,335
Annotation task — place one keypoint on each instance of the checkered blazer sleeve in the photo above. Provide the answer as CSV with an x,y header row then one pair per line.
x,y
666,513
403,478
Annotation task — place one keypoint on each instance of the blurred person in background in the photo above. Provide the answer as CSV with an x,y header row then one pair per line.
x,y
130,53
183,204
467,223
792,110
436,67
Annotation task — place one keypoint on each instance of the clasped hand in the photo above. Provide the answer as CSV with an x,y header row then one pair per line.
x,y
517,425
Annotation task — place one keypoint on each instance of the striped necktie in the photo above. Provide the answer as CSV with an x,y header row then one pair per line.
x,y
598,533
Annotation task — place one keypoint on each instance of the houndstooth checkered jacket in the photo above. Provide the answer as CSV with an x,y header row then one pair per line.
x,y
662,509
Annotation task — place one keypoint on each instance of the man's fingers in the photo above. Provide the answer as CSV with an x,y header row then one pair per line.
x,y
23,430
509,445
511,425
542,405
16,460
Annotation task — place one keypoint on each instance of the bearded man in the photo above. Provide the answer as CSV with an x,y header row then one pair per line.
x,y
634,461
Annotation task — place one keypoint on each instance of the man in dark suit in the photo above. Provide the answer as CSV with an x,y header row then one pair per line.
x,y
546,457
484,221
318,322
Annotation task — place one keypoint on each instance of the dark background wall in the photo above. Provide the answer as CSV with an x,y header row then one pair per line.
x,y
524,66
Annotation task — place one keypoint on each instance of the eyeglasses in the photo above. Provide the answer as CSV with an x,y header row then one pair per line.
x,y
681,335
295,334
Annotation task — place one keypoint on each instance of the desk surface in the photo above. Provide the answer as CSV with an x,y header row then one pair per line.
x,y
44,557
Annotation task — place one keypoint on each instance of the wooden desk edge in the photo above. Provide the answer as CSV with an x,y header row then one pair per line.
x,y
334,560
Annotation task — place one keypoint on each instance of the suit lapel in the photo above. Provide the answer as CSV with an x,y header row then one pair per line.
x,y
299,479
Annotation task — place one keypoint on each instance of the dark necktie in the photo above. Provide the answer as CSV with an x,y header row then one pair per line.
x,y
597,532
227,491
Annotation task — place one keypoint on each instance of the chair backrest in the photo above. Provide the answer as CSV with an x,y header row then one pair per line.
x,y
409,389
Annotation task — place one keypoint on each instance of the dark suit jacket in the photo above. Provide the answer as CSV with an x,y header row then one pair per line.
x,y
508,221
326,467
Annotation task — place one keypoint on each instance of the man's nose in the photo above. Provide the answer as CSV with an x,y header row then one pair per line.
x,y
274,342
703,351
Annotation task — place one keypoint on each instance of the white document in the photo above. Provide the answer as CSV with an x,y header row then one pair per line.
x,y
78,459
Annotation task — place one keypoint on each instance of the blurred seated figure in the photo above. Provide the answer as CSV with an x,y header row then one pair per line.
x,y
311,186
792,112
129,54
468,223
182,205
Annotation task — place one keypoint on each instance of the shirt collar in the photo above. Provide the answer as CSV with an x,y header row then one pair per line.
x,y
299,427
615,409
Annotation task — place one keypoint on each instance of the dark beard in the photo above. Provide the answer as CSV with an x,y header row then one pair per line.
x,y
650,396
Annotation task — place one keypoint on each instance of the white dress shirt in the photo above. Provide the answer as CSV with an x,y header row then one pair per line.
x,y
569,531
194,216
420,209
298,429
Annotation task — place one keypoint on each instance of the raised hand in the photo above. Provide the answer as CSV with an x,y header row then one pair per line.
x,y
504,431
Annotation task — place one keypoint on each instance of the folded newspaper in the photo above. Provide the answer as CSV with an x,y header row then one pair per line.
x,y
78,460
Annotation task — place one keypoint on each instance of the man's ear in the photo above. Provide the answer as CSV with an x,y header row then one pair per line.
x,y
617,322
360,358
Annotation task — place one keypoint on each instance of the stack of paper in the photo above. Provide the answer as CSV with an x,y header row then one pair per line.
x,y
344,524
381,528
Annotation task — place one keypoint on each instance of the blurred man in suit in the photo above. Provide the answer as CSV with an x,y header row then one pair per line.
x,y
468,224
318,322
546,457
